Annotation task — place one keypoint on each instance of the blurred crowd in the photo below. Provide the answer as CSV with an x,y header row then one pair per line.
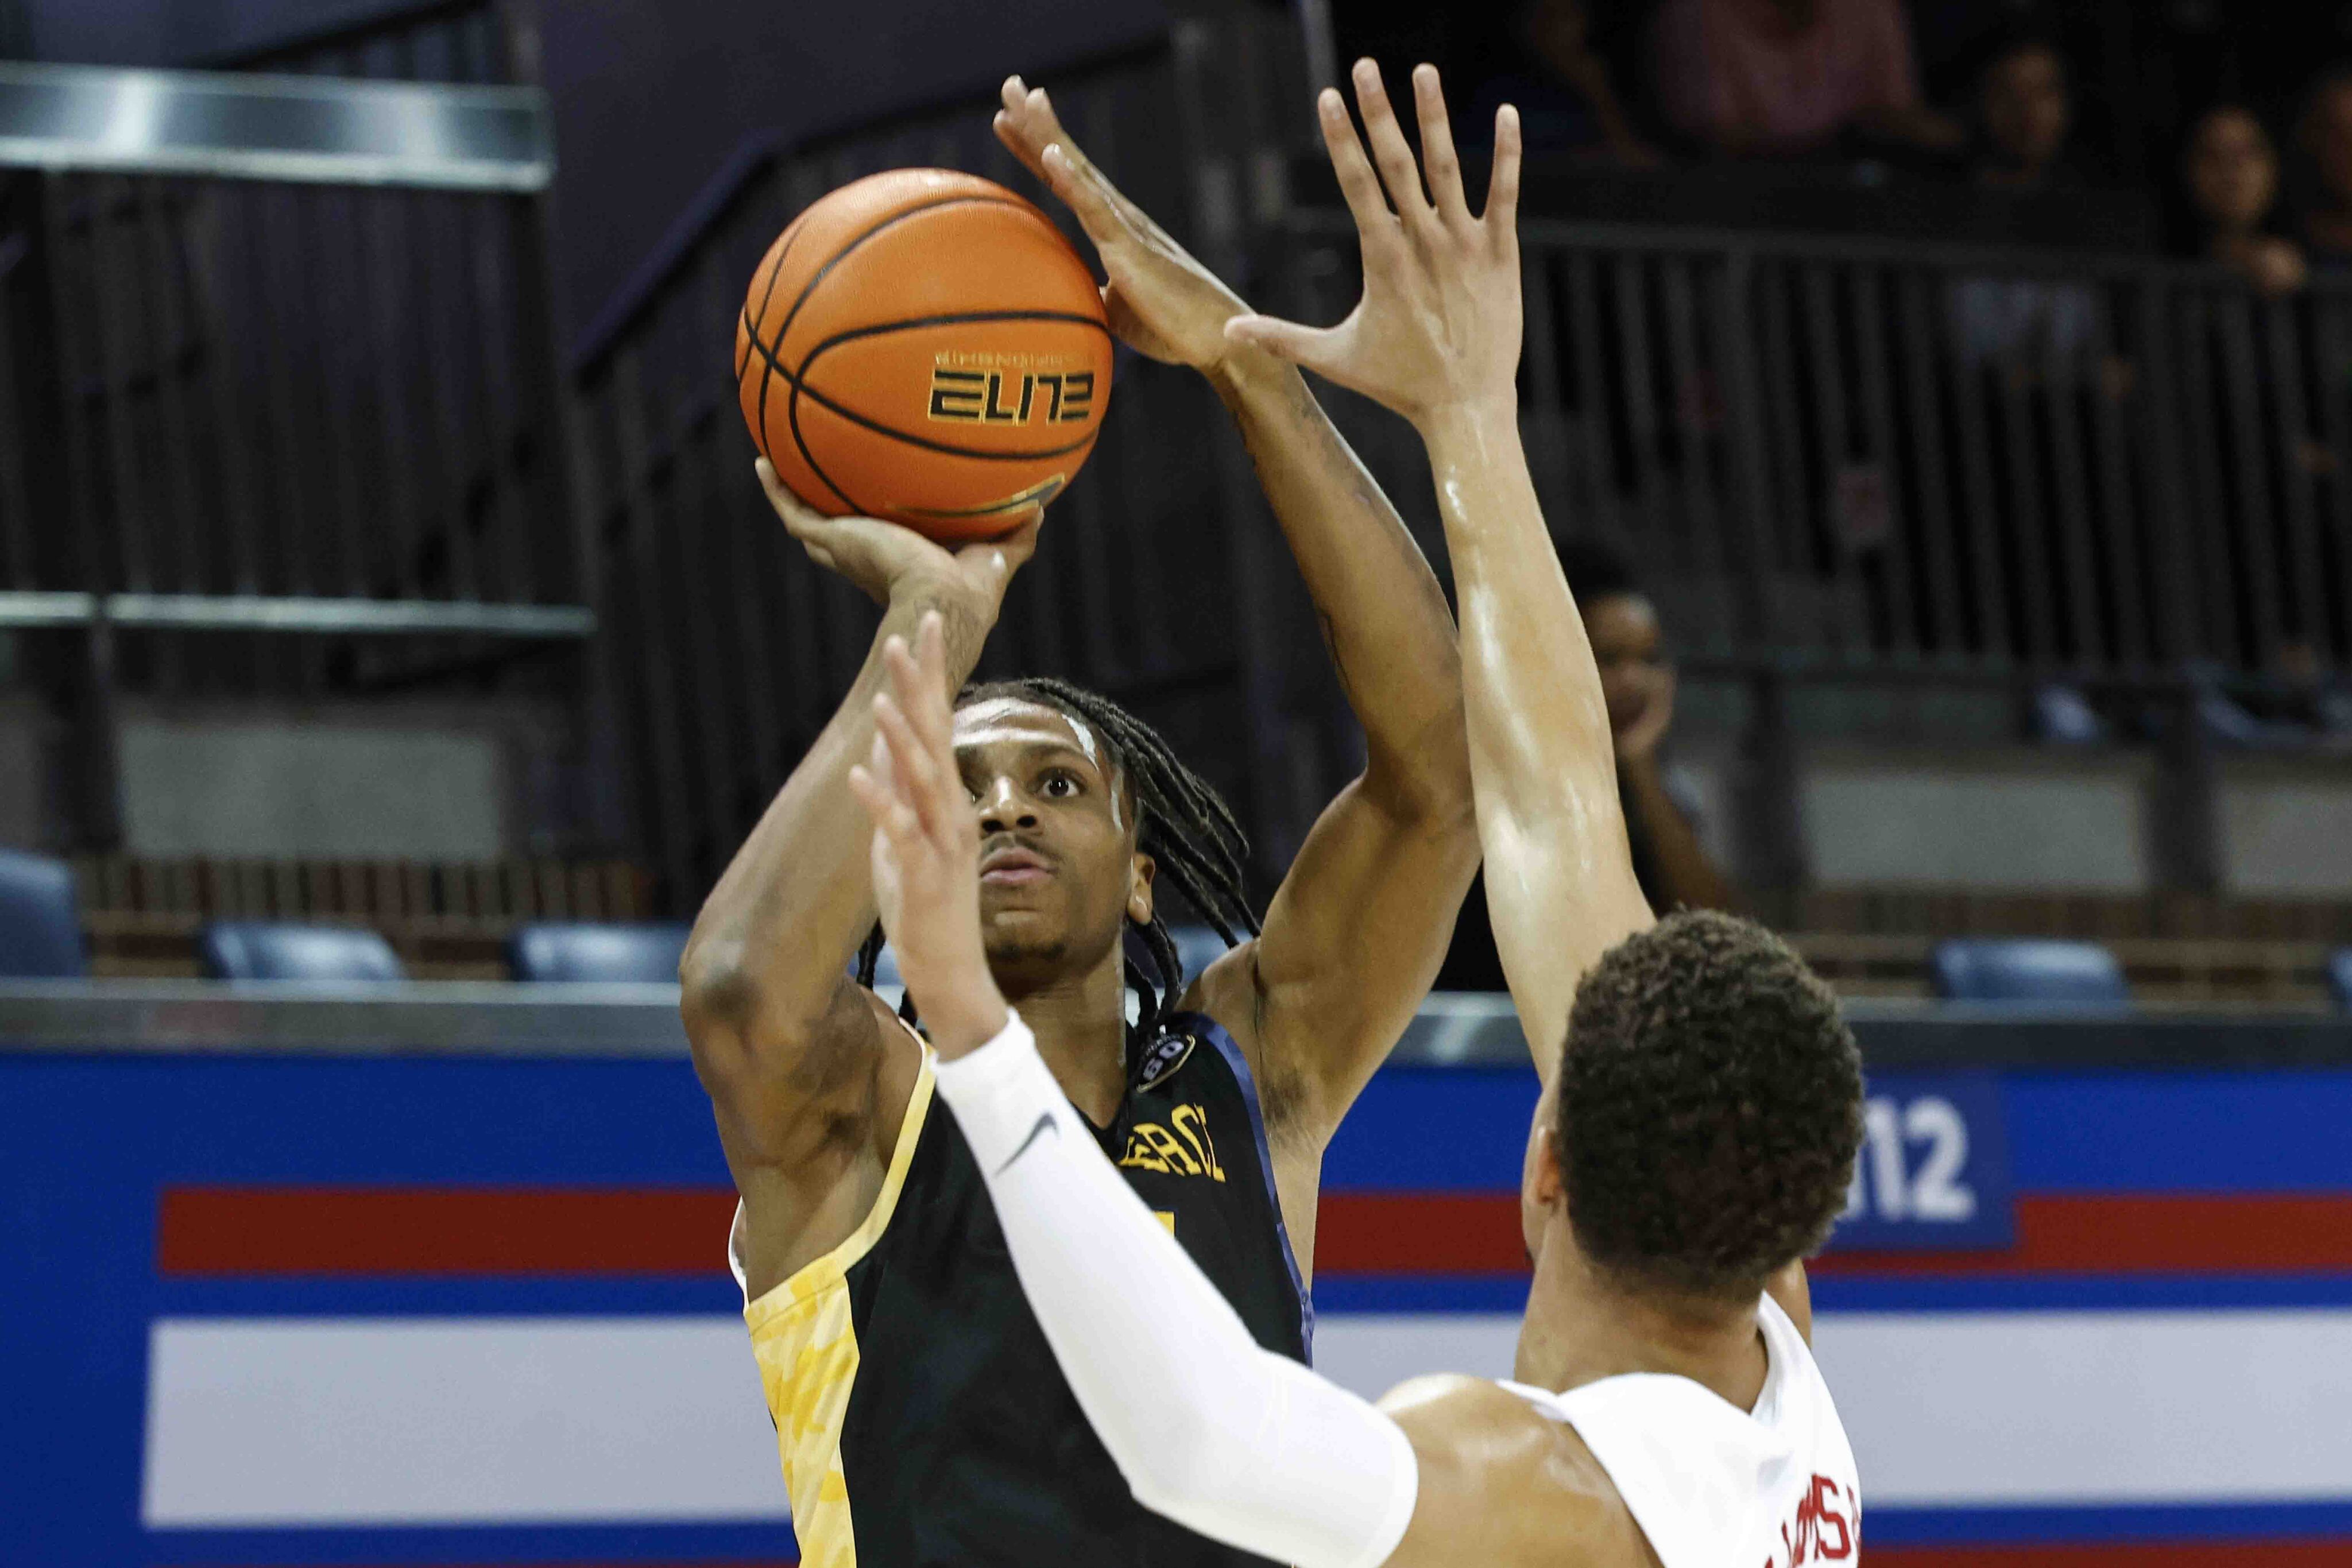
x,y
2236,119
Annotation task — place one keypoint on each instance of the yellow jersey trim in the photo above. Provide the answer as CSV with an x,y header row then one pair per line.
x,y
806,1345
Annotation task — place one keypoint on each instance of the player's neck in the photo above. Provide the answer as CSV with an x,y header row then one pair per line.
x,y
1080,1022
1582,1327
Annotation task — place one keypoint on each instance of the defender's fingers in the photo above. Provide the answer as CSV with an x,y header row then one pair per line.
x,y
914,697
918,775
1357,183
1502,213
1438,159
939,712
1398,171
1310,347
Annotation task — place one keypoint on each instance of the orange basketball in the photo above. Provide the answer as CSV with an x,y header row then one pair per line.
x,y
924,346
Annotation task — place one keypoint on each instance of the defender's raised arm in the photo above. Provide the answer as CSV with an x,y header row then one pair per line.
x,y
1437,339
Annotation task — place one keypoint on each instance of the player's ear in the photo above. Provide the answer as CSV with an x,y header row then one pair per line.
x,y
1139,888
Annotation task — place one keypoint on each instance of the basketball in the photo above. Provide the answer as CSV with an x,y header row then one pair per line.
x,y
926,347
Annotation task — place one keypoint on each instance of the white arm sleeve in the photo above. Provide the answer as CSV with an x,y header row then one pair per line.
x,y
1226,1438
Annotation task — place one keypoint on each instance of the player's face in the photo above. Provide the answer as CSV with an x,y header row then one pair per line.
x,y
1626,644
1059,872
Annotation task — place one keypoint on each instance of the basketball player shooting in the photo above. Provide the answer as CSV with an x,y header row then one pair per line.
x,y
921,1418
1701,1106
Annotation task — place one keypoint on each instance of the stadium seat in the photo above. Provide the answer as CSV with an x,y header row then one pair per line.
x,y
40,924
2063,716
581,951
2072,974
269,950
2339,977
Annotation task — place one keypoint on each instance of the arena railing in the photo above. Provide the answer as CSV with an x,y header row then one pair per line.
x,y
285,415
1841,460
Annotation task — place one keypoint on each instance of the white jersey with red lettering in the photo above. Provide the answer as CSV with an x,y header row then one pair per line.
x,y
1714,1486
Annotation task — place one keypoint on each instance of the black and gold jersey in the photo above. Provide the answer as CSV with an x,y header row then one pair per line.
x,y
921,1417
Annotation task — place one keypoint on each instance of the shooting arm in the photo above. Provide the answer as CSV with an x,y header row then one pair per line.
x,y
1354,936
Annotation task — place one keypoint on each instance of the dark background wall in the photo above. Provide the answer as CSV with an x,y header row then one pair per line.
x,y
652,96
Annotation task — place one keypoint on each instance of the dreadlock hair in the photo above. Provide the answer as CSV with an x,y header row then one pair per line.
x,y
1182,823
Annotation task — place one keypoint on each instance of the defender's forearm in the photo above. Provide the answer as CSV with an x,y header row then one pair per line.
x,y
1559,877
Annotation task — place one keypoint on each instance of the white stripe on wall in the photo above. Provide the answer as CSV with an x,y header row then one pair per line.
x,y
301,1421
2129,1408
2019,1408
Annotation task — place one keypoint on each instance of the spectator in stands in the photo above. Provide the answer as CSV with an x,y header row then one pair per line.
x,y
2328,143
1790,77
1663,817
2231,174
2025,111
1566,98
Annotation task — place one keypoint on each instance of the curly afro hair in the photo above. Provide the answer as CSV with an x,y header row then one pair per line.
x,y
1710,1108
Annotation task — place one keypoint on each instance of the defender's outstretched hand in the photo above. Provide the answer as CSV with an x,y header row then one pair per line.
x,y
883,559
927,847
1161,302
1438,327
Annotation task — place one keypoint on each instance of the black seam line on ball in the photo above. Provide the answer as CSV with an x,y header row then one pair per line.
x,y
752,317
770,350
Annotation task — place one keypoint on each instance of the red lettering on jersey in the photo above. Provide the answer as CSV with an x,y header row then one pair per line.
x,y
1822,1530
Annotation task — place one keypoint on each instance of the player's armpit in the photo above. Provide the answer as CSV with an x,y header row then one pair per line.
x,y
1503,1484
808,1131
1351,944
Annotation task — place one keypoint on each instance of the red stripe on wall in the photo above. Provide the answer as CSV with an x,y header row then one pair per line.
x,y
2192,1554
442,1230
472,1231
2138,1235
1419,1233
1478,1233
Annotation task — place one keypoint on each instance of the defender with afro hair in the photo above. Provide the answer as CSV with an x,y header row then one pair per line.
x,y
1709,1109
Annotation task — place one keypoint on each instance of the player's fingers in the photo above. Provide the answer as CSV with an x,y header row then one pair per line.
x,y
797,515
915,692
1502,214
1008,130
1357,183
1439,160
1097,213
1398,171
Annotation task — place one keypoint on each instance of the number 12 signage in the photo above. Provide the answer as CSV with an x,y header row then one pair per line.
x,y
1934,1170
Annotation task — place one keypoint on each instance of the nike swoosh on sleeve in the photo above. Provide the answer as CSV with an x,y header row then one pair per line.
x,y
1046,1124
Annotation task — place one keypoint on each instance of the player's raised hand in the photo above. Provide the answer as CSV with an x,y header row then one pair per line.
x,y
927,846
1438,327
1161,301
885,559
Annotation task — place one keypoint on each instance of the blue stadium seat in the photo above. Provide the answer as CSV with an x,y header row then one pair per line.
x,y
269,950
2063,716
40,922
579,951
2072,974
2339,977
